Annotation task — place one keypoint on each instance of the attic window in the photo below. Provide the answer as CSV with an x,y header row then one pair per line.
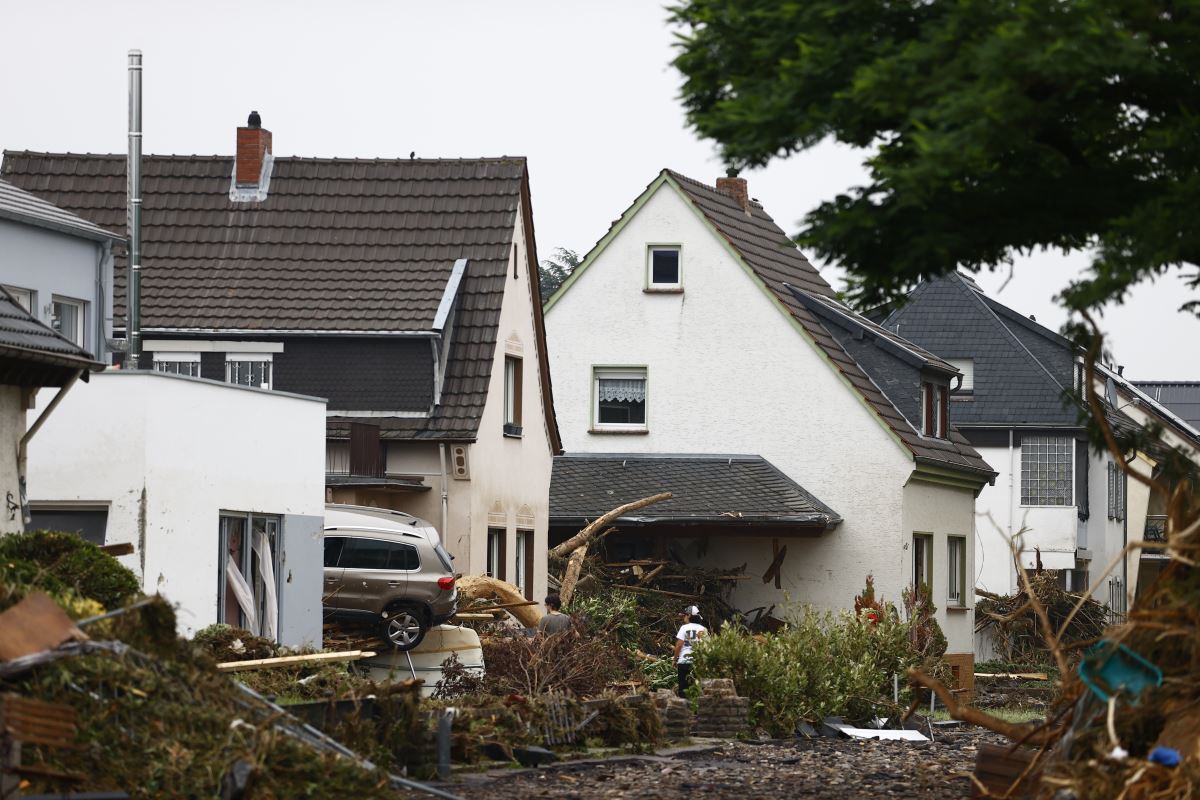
x,y
967,367
619,396
664,268
935,409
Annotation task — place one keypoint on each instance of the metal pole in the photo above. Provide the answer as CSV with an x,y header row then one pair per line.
x,y
133,167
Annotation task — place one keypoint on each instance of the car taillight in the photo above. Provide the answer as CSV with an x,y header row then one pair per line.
x,y
446,583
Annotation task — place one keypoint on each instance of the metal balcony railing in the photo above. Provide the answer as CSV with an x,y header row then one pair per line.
x,y
1156,528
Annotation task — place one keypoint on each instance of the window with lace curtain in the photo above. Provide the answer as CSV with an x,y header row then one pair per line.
x,y
619,399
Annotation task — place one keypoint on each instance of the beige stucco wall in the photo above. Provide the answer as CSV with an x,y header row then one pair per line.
x,y
12,428
943,511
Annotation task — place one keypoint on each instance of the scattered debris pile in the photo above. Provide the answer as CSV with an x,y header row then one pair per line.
x,y
1012,622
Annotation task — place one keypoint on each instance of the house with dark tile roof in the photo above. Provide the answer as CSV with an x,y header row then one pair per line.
x,y
696,328
404,291
1019,404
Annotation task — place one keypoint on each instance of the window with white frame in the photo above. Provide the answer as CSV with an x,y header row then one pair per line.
x,y
24,297
178,363
524,562
248,369
967,367
66,317
512,396
666,271
1047,470
495,553
619,398
935,410
249,565
956,570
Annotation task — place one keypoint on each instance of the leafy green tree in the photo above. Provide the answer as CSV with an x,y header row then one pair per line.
x,y
556,269
994,127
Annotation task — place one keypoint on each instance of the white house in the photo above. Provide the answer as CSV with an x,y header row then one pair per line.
x,y
405,291
219,488
696,328
1020,405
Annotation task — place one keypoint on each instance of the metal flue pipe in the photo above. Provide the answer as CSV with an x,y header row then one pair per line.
x,y
133,170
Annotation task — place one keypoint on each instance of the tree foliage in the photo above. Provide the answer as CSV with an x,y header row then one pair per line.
x,y
556,269
994,127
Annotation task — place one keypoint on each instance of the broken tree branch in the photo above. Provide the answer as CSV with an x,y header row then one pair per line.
x,y
571,576
293,661
585,535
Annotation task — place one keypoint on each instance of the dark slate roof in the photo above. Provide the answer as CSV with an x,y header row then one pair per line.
x,y
714,489
782,268
350,245
1181,397
33,354
21,206
1013,386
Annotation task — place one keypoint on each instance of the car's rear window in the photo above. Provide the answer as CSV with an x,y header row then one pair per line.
x,y
444,557
333,549
379,554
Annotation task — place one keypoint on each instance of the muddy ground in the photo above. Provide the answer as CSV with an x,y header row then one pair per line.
x,y
839,769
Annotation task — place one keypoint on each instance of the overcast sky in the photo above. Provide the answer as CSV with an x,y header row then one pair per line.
x,y
585,90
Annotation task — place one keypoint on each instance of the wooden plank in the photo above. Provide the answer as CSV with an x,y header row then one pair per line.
x,y
1024,676
33,625
290,661
502,606
773,571
469,615
658,591
121,549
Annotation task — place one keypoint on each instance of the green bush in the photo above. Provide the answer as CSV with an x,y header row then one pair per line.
x,y
53,561
822,664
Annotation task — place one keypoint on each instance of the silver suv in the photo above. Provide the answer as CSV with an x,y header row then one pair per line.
x,y
390,566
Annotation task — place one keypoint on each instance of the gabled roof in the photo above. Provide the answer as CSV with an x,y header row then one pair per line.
x,y
1013,384
339,246
32,354
1181,397
21,206
779,265
721,490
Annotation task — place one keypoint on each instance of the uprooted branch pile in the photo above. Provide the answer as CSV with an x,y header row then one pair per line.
x,y
1013,625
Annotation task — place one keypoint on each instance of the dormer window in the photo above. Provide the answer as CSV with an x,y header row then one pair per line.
x,y
935,409
967,367
665,271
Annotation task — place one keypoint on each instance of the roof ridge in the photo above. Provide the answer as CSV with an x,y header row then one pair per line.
x,y
982,300
278,158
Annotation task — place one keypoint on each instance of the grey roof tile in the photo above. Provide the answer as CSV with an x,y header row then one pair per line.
x,y
1182,397
781,266
24,339
716,489
21,206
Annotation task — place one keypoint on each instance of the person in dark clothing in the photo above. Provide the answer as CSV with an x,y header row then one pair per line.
x,y
554,621
691,630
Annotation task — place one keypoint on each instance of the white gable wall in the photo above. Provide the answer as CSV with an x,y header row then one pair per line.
x,y
728,373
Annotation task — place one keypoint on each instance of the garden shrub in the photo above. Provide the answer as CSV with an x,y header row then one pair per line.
x,y
822,664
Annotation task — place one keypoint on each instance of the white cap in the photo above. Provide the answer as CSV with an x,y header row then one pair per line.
x,y
692,611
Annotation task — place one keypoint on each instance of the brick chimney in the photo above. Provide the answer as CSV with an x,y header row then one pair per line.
x,y
736,188
253,146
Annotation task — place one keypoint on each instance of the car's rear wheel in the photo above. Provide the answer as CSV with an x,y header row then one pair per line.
x,y
404,628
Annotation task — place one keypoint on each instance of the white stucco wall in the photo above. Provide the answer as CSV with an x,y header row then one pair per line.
x,y
56,265
728,373
168,454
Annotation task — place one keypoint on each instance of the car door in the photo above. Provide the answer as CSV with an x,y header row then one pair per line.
x,y
331,591
368,580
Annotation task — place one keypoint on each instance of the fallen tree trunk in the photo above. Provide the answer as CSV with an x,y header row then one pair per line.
x,y
1028,733
571,576
482,587
584,536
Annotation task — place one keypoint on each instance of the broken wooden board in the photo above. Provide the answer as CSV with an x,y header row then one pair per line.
x,y
1023,676
311,659
34,625
997,768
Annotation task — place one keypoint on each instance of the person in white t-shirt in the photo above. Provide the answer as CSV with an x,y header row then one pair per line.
x,y
691,630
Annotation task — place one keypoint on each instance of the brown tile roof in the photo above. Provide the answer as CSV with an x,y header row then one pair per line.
x,y
778,263
338,245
